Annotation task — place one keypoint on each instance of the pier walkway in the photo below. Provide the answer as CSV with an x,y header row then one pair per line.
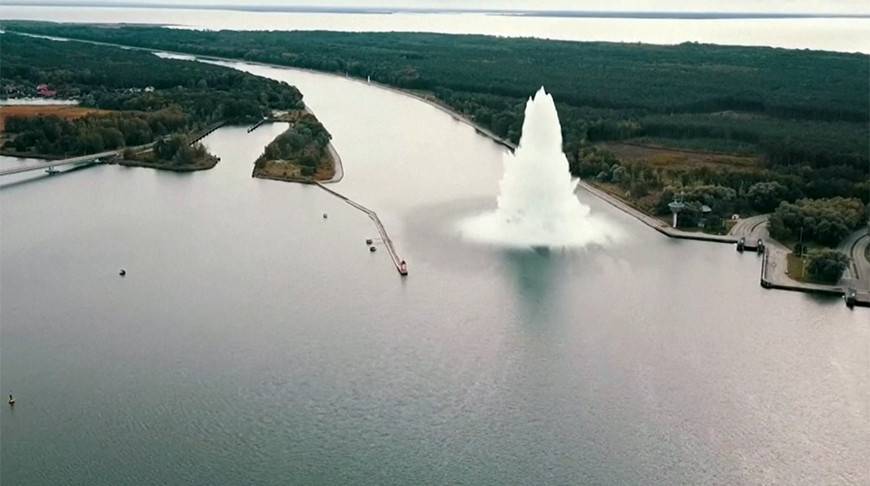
x,y
258,124
385,237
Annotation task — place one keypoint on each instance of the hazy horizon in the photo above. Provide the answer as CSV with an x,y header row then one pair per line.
x,y
779,7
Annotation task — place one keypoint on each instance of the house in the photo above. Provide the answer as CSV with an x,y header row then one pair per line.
x,y
45,91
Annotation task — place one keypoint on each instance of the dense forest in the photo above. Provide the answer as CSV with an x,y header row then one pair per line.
x,y
138,97
801,118
803,114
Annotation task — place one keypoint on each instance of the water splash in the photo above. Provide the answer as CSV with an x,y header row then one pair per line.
x,y
537,206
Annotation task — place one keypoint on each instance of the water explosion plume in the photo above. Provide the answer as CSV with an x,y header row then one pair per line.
x,y
537,206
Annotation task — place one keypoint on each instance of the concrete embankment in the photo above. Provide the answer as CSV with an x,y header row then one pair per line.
x,y
774,275
651,221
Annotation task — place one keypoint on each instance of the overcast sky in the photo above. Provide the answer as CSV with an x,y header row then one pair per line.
x,y
779,6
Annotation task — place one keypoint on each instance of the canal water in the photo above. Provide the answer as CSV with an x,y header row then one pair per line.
x,y
254,342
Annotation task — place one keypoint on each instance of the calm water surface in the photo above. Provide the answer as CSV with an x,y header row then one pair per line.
x,y
253,342
832,34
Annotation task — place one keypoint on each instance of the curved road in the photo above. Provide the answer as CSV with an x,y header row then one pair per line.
x,y
752,227
855,245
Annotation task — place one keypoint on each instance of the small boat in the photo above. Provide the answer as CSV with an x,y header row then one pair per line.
x,y
11,401
372,249
403,268
325,216
369,241
122,272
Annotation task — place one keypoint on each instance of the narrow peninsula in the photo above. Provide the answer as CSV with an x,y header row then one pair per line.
x,y
301,154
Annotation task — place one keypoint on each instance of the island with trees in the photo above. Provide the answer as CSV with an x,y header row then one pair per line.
x,y
148,107
174,153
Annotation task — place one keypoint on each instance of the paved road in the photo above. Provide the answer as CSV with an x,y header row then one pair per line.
x,y
858,272
751,228
73,160
59,163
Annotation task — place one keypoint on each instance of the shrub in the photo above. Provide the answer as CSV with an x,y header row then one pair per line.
x,y
826,265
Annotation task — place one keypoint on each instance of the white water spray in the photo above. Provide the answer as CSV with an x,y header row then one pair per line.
x,y
537,206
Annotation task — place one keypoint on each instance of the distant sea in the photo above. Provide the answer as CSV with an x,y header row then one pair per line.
x,y
843,33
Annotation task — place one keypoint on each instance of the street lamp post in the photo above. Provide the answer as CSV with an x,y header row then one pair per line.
x,y
801,255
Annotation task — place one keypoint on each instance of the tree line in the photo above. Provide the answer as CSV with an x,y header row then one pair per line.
x,y
148,97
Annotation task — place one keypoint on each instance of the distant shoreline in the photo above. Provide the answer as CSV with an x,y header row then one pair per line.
x,y
605,14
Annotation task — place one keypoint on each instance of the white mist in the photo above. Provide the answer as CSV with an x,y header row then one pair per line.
x,y
537,206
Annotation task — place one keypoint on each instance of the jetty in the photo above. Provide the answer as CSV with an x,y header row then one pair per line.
x,y
398,262
201,134
258,124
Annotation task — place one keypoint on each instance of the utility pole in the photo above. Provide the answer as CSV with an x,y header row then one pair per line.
x,y
801,255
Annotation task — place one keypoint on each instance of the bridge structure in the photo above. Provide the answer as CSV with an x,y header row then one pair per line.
x,y
50,165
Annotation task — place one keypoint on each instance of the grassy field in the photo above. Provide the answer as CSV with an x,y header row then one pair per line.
x,y
796,268
67,112
668,158
291,171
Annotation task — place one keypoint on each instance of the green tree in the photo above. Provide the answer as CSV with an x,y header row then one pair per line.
x,y
826,221
90,142
825,265
166,149
766,196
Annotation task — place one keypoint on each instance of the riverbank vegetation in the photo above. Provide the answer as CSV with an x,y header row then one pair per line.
x,y
174,153
127,98
732,129
823,221
820,265
301,153
826,265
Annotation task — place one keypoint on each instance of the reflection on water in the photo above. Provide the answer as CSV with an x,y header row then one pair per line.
x,y
533,274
